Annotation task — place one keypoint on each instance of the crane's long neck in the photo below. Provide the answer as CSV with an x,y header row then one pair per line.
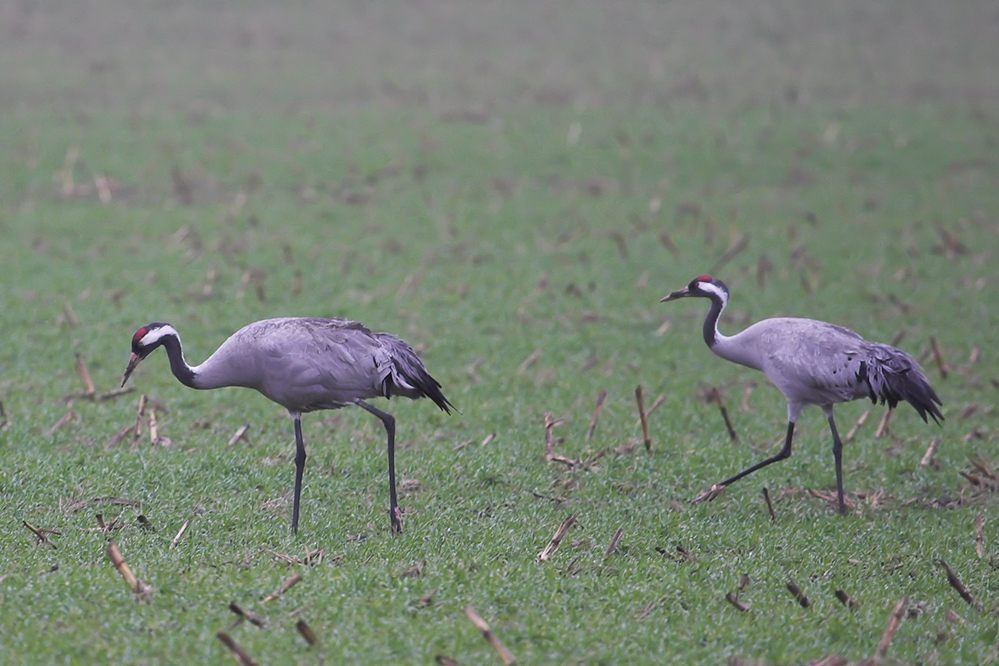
x,y
711,335
225,367
181,370
729,348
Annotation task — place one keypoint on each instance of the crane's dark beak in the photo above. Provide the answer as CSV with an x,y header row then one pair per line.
x,y
133,362
679,293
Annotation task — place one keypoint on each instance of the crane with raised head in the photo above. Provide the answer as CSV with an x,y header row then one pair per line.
x,y
813,363
305,365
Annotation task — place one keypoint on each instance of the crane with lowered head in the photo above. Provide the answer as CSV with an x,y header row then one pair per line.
x,y
305,364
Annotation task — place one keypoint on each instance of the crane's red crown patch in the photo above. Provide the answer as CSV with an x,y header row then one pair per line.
x,y
139,334
704,278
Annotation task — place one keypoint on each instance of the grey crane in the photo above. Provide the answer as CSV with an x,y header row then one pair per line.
x,y
305,365
814,363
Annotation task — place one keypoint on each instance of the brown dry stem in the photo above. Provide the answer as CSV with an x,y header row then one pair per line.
x,y
643,417
306,631
931,451
239,653
956,583
938,357
560,533
856,426
84,373
243,614
284,587
140,589
550,424
41,534
238,435
715,396
770,506
979,535
490,637
596,414
734,600
614,541
894,620
883,425
799,595
180,533
847,600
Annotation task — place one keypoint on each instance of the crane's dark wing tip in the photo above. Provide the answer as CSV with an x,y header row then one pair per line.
x,y
925,400
932,411
408,375
893,376
433,391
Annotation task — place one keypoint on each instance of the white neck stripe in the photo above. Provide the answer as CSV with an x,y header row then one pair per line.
x,y
157,334
713,289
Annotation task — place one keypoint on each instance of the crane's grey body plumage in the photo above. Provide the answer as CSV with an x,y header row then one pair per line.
x,y
305,365
311,364
815,363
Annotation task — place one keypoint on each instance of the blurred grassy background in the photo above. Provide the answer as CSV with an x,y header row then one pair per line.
x,y
494,183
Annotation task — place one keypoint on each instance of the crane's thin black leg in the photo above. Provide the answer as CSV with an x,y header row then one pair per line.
x,y
395,515
838,455
781,455
299,469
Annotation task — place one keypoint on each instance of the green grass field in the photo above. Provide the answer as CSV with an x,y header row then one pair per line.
x,y
511,189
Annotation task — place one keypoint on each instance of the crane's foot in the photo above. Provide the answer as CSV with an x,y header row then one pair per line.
x,y
715,491
395,515
840,505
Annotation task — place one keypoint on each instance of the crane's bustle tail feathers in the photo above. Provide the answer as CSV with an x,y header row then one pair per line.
x,y
894,376
408,376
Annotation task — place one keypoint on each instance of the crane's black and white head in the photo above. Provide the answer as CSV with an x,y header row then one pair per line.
x,y
145,341
703,286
